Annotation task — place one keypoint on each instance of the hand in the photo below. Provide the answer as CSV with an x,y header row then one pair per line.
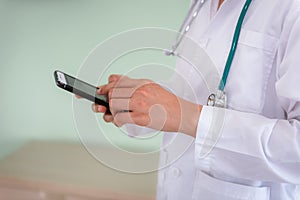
x,y
145,103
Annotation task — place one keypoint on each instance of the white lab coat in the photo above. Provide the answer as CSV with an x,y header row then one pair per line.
x,y
257,155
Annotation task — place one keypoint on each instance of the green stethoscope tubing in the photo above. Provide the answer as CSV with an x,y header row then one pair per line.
x,y
219,97
234,45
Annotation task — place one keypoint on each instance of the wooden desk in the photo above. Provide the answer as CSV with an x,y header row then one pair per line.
x,y
65,171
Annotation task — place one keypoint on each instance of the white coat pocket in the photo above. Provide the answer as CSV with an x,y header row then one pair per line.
x,y
207,187
250,71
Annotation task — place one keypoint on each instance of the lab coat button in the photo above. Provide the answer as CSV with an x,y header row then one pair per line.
x,y
175,172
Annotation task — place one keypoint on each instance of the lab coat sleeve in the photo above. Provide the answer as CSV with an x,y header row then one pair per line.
x,y
260,148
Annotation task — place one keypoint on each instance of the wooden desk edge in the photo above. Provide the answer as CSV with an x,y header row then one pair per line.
x,y
39,186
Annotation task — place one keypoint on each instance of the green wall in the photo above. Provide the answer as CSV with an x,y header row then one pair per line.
x,y
39,36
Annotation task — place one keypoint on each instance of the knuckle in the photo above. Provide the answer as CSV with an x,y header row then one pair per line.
x,y
142,92
139,102
113,77
144,120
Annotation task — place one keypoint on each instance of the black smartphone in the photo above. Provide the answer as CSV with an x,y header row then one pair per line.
x,y
80,88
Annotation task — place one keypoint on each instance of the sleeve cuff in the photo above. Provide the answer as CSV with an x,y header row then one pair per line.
x,y
209,130
204,122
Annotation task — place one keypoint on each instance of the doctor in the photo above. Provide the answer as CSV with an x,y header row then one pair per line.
x,y
257,155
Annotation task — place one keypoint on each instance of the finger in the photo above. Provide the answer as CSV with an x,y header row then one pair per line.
x,y
155,119
121,93
108,118
104,89
77,96
123,118
98,108
101,109
131,118
114,78
136,103
123,82
118,105
126,82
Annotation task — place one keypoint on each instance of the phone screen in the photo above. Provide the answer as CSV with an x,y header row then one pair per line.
x,y
83,87
80,88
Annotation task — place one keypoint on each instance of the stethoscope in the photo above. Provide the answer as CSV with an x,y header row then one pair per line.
x,y
218,98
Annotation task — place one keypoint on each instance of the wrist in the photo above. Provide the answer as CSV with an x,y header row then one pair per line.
x,y
190,114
